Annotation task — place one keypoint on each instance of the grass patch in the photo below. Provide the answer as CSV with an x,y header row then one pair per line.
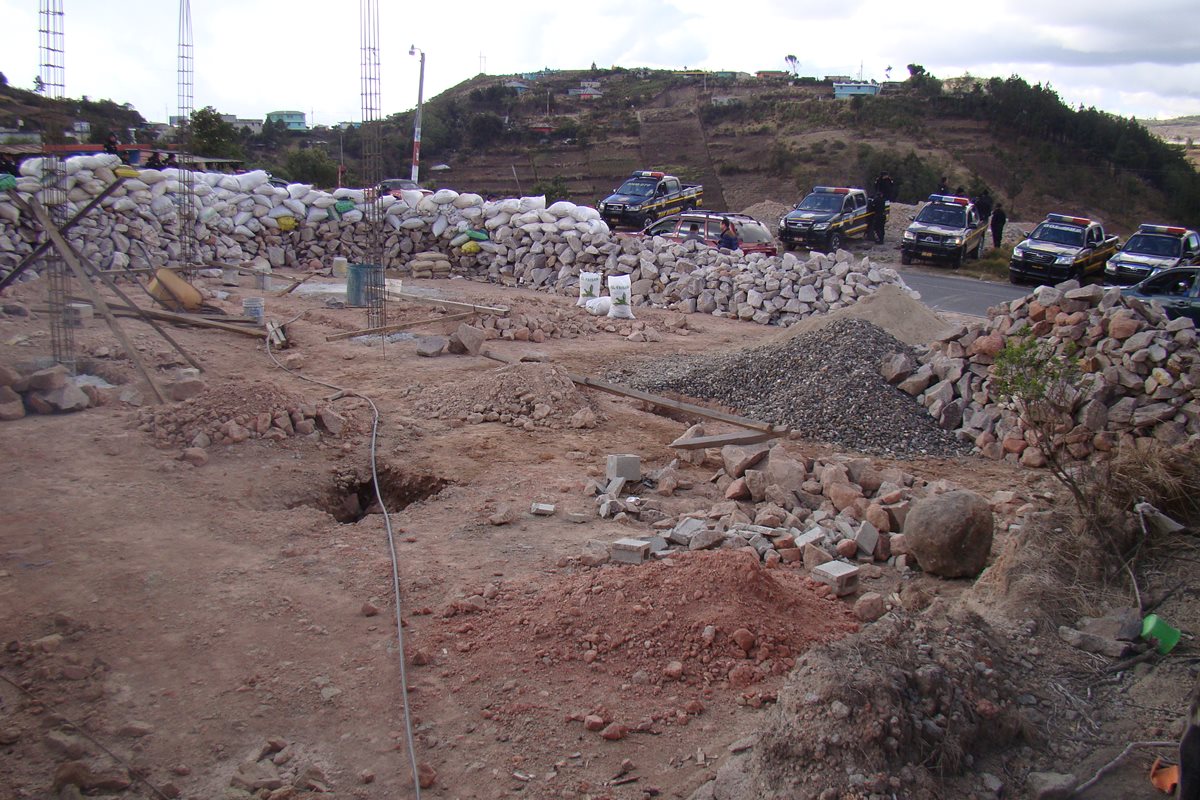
x,y
992,267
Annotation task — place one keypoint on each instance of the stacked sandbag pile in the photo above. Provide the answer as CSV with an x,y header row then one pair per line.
x,y
516,241
1140,373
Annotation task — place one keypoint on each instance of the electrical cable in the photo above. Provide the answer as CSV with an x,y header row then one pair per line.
x,y
391,538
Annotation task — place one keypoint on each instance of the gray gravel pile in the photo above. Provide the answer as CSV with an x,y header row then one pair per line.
x,y
824,384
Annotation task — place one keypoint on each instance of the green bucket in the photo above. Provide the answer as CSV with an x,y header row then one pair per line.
x,y
358,279
1156,629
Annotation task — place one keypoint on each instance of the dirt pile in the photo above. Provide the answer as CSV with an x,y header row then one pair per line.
x,y
824,383
235,412
891,309
527,395
896,709
704,620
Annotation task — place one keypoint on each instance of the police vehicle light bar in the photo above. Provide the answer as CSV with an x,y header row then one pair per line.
x,y
645,173
831,190
1169,229
951,199
1069,220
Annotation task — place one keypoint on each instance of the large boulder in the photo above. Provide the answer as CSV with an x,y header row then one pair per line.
x,y
950,534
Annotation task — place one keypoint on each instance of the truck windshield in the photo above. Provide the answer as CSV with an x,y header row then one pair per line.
x,y
638,187
821,201
1058,234
949,216
1148,245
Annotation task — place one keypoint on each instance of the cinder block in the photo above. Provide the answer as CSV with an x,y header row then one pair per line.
x,y
630,551
624,466
542,509
866,537
839,576
810,536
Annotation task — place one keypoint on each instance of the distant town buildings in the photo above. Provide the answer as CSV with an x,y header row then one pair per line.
x,y
292,120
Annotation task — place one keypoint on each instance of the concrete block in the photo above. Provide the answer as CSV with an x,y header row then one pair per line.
x,y
542,509
839,576
630,551
866,537
706,539
615,486
577,517
624,466
812,536
685,530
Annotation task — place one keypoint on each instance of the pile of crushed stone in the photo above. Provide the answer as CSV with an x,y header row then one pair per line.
x,y
825,384
525,395
703,619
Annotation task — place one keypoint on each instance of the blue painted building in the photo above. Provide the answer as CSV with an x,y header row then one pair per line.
x,y
294,120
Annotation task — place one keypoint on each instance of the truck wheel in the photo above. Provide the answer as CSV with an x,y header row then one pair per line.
x,y
648,220
957,260
787,246
835,242
1014,278
905,257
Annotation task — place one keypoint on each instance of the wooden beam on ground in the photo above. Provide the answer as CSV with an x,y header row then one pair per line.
x,y
191,319
431,301
68,254
44,246
400,326
678,405
295,283
722,439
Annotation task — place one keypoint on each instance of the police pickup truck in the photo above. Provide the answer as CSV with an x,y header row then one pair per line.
x,y
1060,248
1152,249
648,196
827,217
948,228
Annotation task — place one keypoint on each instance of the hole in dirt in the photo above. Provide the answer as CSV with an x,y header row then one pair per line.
x,y
352,495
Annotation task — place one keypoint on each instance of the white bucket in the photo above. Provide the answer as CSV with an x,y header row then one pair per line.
x,y
253,307
340,267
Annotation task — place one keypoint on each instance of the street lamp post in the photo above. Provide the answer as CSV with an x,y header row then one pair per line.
x,y
412,51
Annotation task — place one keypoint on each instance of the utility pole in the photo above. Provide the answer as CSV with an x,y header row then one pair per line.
x,y
416,159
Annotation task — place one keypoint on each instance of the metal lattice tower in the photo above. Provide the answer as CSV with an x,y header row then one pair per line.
x,y
186,200
372,163
51,72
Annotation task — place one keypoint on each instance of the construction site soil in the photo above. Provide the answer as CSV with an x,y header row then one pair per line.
x,y
223,624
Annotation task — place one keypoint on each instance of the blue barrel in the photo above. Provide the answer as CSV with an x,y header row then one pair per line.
x,y
358,278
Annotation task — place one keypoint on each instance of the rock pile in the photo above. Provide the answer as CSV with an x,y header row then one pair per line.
x,y
46,391
786,507
825,384
529,396
516,241
1140,373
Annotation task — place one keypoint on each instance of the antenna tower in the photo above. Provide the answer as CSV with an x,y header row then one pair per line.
x,y
51,73
372,161
186,200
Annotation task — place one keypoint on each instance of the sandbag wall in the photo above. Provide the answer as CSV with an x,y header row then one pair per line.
x,y
244,219
1140,373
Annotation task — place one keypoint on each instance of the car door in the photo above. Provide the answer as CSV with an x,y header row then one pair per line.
x,y
1175,290
1191,249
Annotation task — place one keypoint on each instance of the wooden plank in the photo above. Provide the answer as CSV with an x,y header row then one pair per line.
x,y
400,326
722,439
430,301
195,320
678,405
98,301
44,246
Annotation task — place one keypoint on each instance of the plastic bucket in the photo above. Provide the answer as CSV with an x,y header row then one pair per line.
x,y
358,279
253,307
340,267
1166,636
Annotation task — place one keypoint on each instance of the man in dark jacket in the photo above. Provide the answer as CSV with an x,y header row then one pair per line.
x,y
729,237
999,218
876,206
983,204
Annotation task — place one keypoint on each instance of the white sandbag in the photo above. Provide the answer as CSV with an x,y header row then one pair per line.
x,y
472,214
316,215
9,212
387,201
269,223
324,201
411,196
135,185
349,194
497,221
537,203
352,216
531,227
209,216
444,196
512,206
439,226
73,165
281,211
297,191
151,176
460,240
203,190
108,160
412,223
561,209
230,183
161,206
589,287
249,181
124,204
599,306
426,206
468,200
393,222
32,167
298,208
585,213
243,231
618,290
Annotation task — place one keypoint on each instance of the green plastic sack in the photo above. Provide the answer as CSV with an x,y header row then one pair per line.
x,y
479,236
343,206
7,182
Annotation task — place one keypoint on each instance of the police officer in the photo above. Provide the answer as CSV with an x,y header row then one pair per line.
x,y
876,205
983,204
999,218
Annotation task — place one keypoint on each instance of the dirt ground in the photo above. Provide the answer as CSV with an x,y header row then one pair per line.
x,y
237,618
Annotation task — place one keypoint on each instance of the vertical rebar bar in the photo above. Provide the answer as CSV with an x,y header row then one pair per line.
x,y
185,201
52,77
372,163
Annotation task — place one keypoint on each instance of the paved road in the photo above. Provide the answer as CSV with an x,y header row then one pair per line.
x,y
960,295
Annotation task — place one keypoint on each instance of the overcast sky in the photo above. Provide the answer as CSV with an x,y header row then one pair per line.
x,y
254,56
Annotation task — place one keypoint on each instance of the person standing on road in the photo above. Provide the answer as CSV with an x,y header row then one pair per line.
x,y
983,204
876,206
729,237
999,218
885,186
